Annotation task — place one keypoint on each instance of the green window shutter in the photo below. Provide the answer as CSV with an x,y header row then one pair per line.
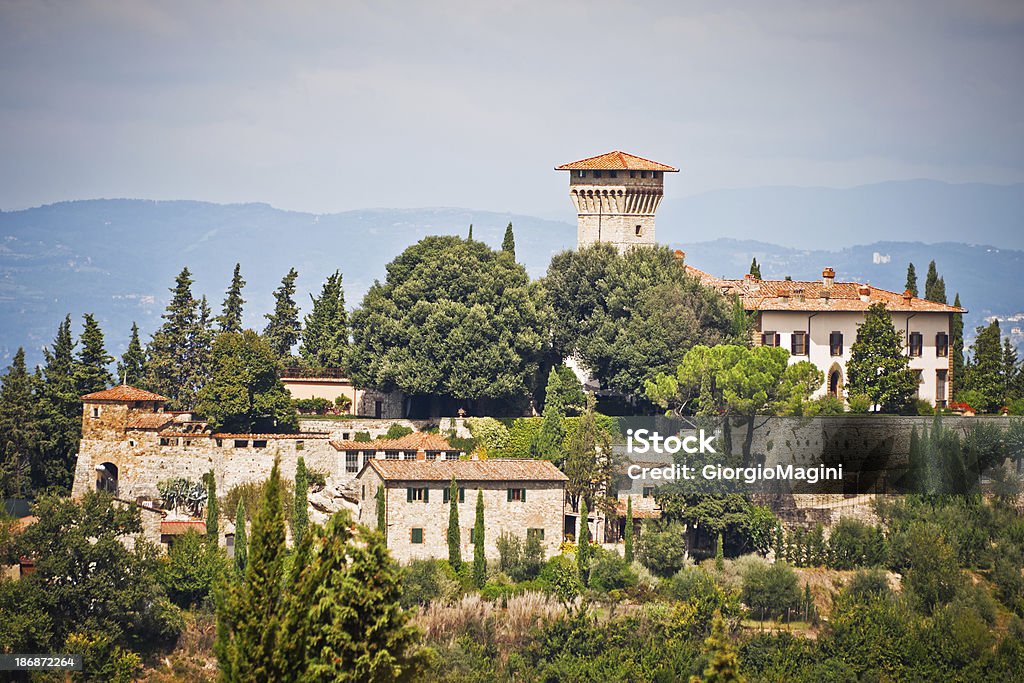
x,y
509,492
446,496
417,535
462,495
426,495
408,495
524,495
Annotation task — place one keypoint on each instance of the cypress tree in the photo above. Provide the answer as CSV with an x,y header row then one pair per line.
x,y
957,342
719,553
583,544
61,408
230,319
241,554
19,428
300,514
479,556
911,285
755,268
629,529
1011,371
92,371
382,512
171,362
282,330
723,662
325,337
249,617
740,321
985,372
454,535
212,509
549,441
508,245
469,238
131,369
934,286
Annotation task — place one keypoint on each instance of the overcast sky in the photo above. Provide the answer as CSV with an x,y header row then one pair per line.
x,y
341,105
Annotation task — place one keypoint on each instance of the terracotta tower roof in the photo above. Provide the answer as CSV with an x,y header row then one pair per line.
x,y
616,161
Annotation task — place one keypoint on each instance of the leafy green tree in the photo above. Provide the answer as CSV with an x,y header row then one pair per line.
x,y
933,577
131,369
769,590
300,512
178,355
283,328
590,463
508,244
451,319
911,285
325,338
629,533
957,344
92,371
723,662
193,567
20,428
230,319
454,535
241,545
1011,371
250,613
212,509
479,554
985,369
662,549
549,441
629,317
344,621
382,512
245,393
755,268
61,414
583,544
878,367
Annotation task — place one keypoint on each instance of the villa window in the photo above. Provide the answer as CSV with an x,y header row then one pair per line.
x,y
409,455
942,345
916,344
632,174
613,174
597,174
96,411
535,533
648,492
798,343
581,174
657,174
241,443
259,443
835,343
391,455
416,535
769,338
451,455
351,461
448,495
941,391
300,445
431,455
414,494
517,495
639,230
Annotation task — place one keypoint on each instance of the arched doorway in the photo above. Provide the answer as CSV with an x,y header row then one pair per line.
x,y
835,381
106,477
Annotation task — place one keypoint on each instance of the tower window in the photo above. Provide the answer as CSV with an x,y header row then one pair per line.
x,y
632,174
639,230
581,174
613,174
597,174
657,174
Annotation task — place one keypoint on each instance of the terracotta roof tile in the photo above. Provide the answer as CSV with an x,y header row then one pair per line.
x,y
176,528
467,470
124,393
149,421
614,161
784,295
417,441
266,437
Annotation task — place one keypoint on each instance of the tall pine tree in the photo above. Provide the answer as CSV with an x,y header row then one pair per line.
x,y
241,546
755,268
548,442
934,286
282,330
325,337
61,409
479,554
508,244
230,319
911,285
957,342
300,512
131,369
175,361
20,431
985,370
454,534
92,371
629,529
212,509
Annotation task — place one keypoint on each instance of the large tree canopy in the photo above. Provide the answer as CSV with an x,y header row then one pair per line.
x,y
451,319
629,317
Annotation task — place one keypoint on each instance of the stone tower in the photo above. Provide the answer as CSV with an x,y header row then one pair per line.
x,y
616,195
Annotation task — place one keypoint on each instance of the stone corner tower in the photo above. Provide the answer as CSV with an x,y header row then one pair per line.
x,y
616,195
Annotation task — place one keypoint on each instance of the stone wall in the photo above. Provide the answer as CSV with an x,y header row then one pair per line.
x,y
377,428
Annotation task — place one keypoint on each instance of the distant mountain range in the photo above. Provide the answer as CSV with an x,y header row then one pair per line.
x,y
117,258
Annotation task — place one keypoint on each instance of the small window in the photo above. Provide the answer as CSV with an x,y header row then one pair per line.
x,y
535,533
648,491
448,494
96,411
916,344
241,443
657,174
798,343
597,174
581,174
362,492
769,338
131,442
613,174
835,343
639,230
632,174
942,345
408,455
417,493
229,544
416,535
451,455
517,495
432,455
391,455
167,441
220,443
300,445
186,442
643,174
259,443
351,461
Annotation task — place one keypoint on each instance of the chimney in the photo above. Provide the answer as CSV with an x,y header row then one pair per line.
x,y
828,277
865,293
784,296
799,294
907,297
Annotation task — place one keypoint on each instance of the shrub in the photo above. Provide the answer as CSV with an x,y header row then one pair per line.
x,y
424,581
191,569
826,405
560,576
855,544
663,550
362,437
521,435
312,406
397,431
343,403
859,403
489,433
868,584
770,590
609,571
923,407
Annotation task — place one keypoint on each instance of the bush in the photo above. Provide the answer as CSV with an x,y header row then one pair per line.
x,y
191,569
520,435
343,404
663,550
609,571
397,431
923,407
855,544
251,495
769,591
826,405
489,433
312,406
519,560
560,576
867,585
859,403
362,437
424,581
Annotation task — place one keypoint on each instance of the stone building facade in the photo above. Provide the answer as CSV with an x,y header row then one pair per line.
x,y
521,497
616,196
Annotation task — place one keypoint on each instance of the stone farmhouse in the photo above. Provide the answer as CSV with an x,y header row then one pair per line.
x,y
521,497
